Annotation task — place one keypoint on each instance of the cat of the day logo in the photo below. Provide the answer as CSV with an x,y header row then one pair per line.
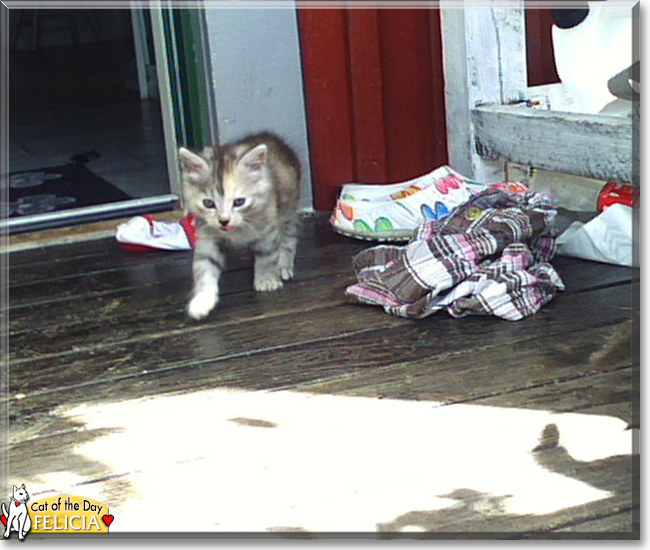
x,y
54,514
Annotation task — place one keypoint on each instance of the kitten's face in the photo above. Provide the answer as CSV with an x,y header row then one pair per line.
x,y
20,493
225,189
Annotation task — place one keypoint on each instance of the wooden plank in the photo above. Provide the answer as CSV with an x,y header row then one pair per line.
x,y
530,372
594,146
440,132
484,62
546,355
305,302
378,343
582,276
374,95
157,292
400,361
102,255
131,275
163,299
44,446
367,96
341,349
137,312
164,321
163,302
311,227
83,281
606,393
57,268
306,338
618,522
413,100
63,261
316,240
53,254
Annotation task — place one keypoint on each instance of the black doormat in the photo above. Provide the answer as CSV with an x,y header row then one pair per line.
x,y
60,188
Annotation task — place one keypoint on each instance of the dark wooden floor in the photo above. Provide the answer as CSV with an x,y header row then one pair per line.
x,y
92,324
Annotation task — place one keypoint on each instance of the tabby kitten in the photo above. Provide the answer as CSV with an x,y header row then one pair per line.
x,y
244,194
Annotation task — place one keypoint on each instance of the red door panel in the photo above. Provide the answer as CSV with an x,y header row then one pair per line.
x,y
539,41
326,66
375,96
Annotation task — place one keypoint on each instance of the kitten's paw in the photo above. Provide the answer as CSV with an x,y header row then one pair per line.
x,y
286,273
201,305
267,283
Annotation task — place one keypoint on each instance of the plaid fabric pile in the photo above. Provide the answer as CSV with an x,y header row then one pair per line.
x,y
489,256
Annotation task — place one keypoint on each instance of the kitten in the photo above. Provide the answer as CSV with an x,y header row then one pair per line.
x,y
243,194
17,518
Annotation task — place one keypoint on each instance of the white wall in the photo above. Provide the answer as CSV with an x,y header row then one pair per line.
x,y
257,75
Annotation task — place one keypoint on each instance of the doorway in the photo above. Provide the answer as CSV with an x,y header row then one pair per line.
x,y
87,91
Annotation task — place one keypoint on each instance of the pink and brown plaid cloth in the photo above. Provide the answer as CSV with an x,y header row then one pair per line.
x,y
489,256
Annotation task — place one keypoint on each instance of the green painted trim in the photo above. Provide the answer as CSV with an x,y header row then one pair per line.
x,y
190,74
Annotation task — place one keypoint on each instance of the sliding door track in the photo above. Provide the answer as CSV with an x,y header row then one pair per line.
x,y
73,216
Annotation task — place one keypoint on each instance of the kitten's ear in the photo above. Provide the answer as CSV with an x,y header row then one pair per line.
x,y
193,165
255,159
15,488
23,486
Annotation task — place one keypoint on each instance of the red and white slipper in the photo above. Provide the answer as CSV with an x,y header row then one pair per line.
x,y
144,233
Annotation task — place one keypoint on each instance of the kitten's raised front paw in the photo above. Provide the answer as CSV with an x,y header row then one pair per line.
x,y
267,283
202,304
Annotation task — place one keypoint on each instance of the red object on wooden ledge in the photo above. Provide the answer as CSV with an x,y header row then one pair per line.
x,y
618,193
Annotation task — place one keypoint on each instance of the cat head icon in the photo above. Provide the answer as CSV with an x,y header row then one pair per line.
x,y
17,517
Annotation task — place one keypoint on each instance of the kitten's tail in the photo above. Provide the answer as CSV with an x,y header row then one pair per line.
x,y
4,511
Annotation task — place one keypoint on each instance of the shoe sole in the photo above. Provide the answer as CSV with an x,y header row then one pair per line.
x,y
380,237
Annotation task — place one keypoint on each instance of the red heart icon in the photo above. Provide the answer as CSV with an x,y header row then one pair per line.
x,y
108,520
3,519
17,504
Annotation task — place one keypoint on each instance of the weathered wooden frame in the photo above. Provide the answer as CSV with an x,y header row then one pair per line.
x,y
489,118
594,146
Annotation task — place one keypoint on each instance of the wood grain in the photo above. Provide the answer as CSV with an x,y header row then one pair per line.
x,y
594,146
93,324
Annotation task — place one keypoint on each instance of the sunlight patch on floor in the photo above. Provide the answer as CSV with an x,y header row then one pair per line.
x,y
224,460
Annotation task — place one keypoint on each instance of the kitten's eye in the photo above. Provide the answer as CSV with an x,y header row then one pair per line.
x,y
209,203
238,202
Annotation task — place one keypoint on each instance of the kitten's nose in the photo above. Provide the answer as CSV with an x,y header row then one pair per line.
x,y
224,221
